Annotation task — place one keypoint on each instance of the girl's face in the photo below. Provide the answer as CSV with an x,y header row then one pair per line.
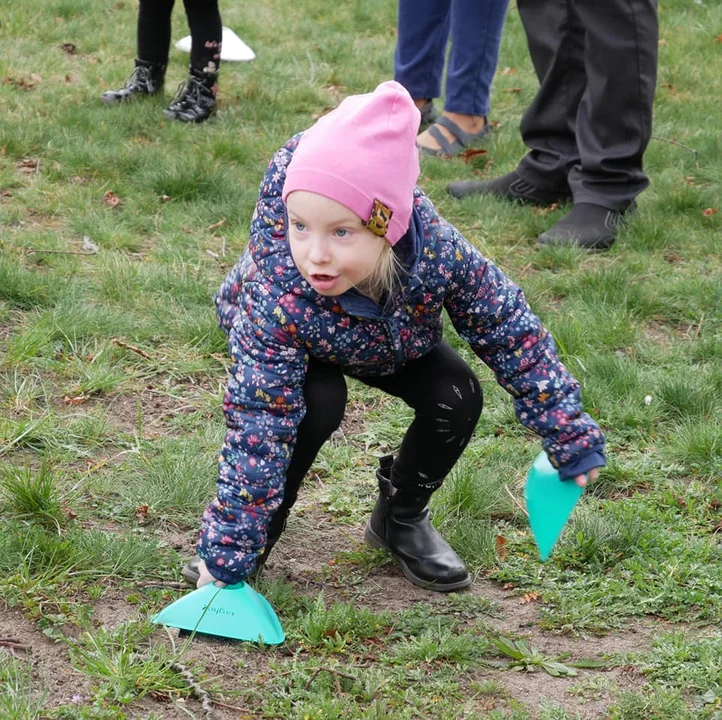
x,y
330,245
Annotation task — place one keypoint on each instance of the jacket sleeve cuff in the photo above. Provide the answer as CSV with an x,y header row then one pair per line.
x,y
224,576
582,465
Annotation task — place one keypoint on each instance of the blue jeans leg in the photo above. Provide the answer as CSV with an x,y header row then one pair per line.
x,y
476,28
423,31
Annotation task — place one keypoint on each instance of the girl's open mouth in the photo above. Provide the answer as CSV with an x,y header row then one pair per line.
x,y
323,282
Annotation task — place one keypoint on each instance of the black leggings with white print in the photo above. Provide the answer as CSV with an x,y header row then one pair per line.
x,y
440,387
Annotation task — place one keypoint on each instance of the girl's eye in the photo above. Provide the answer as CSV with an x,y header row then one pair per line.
x,y
342,232
299,226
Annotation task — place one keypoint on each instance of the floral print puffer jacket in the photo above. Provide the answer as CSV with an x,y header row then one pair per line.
x,y
276,320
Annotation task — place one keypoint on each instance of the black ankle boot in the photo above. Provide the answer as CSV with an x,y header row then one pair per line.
x,y
195,100
400,523
146,79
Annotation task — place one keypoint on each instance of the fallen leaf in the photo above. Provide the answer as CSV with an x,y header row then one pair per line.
x,y
528,598
508,586
663,42
75,400
111,199
516,91
69,512
508,71
719,38
470,153
28,165
141,513
218,224
165,198
708,212
501,549
69,48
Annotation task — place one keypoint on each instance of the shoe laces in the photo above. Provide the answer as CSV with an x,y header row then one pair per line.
x,y
189,91
140,76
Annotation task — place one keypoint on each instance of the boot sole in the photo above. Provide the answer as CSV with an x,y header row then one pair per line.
x,y
376,542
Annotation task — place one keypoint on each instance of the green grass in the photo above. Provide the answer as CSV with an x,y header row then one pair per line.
x,y
112,372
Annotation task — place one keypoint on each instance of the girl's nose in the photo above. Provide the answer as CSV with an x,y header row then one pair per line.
x,y
318,252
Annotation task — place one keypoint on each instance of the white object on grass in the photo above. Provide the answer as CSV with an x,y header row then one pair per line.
x,y
232,50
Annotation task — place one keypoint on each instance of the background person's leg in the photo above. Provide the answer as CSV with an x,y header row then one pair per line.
x,y
153,42
476,29
614,122
196,99
555,37
422,34
154,30
204,22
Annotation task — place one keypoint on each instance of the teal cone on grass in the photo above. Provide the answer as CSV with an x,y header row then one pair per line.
x,y
236,611
549,502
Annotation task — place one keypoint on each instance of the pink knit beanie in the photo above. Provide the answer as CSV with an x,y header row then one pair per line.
x,y
363,155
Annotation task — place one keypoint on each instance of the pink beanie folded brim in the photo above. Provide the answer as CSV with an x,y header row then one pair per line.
x,y
362,152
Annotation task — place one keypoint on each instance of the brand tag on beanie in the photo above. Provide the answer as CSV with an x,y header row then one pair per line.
x,y
378,222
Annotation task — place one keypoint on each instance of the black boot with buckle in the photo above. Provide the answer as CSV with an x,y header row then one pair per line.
x,y
400,523
146,79
195,100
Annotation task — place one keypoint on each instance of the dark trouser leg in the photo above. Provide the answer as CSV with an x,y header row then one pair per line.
x,y
447,400
154,30
204,21
556,44
590,122
614,121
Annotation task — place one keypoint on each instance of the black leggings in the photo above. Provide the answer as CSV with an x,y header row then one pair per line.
x,y
204,21
440,387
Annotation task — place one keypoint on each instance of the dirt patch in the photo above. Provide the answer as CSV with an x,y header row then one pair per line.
x,y
51,669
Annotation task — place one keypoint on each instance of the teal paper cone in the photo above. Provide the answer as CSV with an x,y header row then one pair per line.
x,y
549,502
237,612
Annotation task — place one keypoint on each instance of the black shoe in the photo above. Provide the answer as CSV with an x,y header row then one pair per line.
x,y
509,187
400,523
195,100
146,79
587,226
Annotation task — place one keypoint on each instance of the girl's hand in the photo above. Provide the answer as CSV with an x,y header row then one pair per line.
x,y
206,577
583,479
